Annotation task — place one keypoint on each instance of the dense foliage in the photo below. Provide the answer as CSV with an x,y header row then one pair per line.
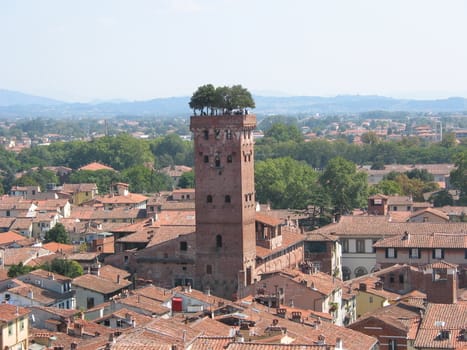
x,y
68,268
57,234
220,100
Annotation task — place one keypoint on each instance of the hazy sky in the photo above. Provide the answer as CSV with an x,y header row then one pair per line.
x,y
139,49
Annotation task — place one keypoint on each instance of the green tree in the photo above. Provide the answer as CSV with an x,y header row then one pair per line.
x,y
346,186
458,176
144,180
387,187
449,140
19,269
370,138
203,98
441,198
40,177
57,234
171,150
221,100
102,178
285,183
187,180
281,132
69,268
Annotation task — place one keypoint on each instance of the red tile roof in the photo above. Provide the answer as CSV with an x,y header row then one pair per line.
x,y
58,247
99,284
434,240
442,317
10,237
96,166
11,312
380,226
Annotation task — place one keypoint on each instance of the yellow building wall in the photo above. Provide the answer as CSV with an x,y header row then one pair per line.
x,y
367,302
19,334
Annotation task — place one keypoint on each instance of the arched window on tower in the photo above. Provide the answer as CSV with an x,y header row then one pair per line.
x,y
217,160
206,134
229,158
209,199
227,198
218,241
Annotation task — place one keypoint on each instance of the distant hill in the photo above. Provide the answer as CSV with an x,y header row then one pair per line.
x,y
14,98
16,104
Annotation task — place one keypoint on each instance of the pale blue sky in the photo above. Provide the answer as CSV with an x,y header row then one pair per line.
x,y
140,49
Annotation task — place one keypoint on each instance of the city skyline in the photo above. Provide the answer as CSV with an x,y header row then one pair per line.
x,y
140,50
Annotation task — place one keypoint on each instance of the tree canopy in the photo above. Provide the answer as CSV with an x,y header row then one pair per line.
x,y
346,186
69,268
57,234
285,183
220,100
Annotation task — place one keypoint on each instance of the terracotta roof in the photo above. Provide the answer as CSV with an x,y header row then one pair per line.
x,y
399,315
22,224
198,295
452,210
433,211
400,215
65,313
155,293
14,256
380,226
117,213
268,220
178,205
11,312
167,233
158,334
81,187
96,166
322,282
400,200
307,332
210,327
314,236
434,240
99,284
176,218
89,256
442,317
130,198
6,222
211,342
110,273
58,247
274,346
9,237
183,190
44,296
125,313
288,239
144,304
48,275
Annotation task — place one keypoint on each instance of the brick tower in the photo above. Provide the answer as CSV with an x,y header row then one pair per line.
x,y
225,202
